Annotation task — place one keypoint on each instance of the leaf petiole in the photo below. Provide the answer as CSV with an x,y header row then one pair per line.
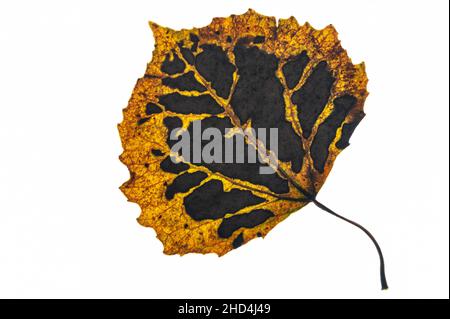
x,y
384,284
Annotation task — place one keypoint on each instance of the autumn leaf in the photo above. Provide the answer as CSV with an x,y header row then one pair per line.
x,y
238,73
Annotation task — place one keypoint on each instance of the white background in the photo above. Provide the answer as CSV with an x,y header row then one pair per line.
x,y
67,68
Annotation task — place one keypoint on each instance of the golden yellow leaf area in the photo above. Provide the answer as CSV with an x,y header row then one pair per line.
x,y
177,54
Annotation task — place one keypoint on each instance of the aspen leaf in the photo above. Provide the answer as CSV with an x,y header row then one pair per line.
x,y
238,74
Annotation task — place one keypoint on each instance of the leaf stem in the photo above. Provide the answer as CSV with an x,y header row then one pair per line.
x,y
311,197
384,284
